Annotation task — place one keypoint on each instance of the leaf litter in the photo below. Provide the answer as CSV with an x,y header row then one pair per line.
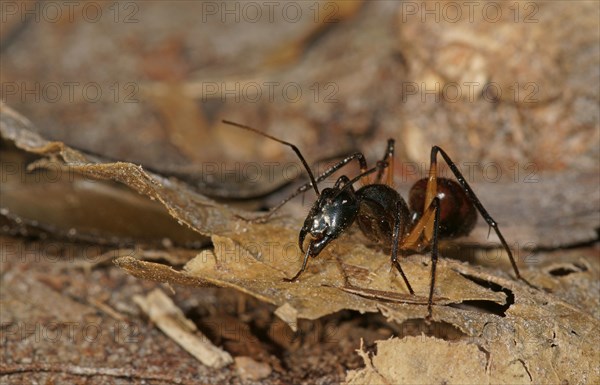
x,y
510,331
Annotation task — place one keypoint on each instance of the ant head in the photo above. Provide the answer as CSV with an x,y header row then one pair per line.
x,y
333,212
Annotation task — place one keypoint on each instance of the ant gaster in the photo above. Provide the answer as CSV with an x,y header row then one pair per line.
x,y
439,208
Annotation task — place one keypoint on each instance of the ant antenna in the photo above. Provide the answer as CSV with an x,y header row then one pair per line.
x,y
313,182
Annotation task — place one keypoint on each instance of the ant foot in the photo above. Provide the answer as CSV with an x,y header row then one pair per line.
x,y
294,278
528,283
429,317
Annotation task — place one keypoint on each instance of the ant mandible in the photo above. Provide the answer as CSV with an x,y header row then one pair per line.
x,y
440,208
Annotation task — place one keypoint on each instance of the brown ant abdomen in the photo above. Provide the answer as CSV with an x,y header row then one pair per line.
x,y
457,214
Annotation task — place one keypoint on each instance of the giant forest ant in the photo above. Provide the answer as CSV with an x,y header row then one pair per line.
x,y
439,208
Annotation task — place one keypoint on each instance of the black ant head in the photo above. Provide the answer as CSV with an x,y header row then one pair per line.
x,y
333,212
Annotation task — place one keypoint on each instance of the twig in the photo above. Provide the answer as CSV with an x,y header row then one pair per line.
x,y
171,320
89,372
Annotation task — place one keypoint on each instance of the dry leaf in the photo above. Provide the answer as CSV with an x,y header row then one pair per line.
x,y
537,339
512,324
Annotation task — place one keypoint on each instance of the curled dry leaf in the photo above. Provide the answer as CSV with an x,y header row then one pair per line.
x,y
52,195
539,335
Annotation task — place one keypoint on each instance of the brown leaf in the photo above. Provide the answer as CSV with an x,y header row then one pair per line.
x,y
518,329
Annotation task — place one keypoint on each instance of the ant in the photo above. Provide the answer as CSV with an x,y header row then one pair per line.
x,y
439,208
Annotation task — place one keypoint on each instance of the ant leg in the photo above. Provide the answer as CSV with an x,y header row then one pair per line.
x,y
360,158
399,224
434,253
413,240
388,158
349,182
432,191
430,216
304,263
363,167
